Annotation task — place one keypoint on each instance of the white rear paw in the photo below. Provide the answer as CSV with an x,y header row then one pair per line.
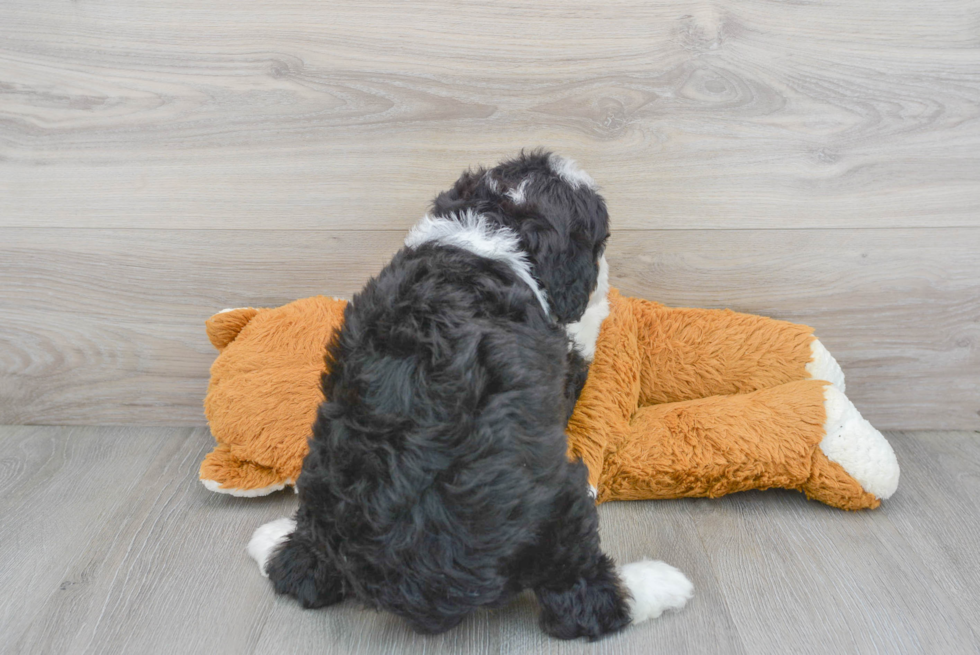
x,y
655,587
857,446
267,538
823,366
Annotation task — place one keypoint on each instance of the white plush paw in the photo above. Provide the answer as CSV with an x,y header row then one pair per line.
x,y
823,366
267,538
861,450
215,486
655,587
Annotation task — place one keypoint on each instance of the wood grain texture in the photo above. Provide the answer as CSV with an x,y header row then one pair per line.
x,y
63,492
947,466
307,115
899,309
106,326
769,552
161,161
110,544
153,570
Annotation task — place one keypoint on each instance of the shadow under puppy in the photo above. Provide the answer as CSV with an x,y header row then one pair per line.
x,y
437,480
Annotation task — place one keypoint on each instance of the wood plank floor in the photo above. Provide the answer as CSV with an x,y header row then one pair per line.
x,y
108,543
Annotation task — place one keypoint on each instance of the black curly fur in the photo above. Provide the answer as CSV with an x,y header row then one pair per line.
x,y
437,480
562,228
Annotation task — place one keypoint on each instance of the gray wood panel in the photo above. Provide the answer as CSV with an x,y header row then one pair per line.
x,y
947,466
770,553
159,570
106,326
62,496
110,544
899,309
311,115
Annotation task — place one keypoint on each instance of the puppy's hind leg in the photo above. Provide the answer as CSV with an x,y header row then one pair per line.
x,y
580,592
578,589
288,556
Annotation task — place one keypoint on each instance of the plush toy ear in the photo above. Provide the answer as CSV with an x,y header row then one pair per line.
x,y
223,327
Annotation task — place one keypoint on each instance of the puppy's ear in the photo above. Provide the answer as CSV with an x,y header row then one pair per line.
x,y
564,265
471,185
564,234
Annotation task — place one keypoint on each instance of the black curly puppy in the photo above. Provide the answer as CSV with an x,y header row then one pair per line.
x,y
437,480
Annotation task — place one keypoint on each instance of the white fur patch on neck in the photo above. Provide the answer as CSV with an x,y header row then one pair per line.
x,y
569,171
585,332
471,231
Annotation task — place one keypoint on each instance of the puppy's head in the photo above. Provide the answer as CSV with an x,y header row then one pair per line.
x,y
557,213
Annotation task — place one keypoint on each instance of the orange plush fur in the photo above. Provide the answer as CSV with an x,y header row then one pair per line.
x,y
679,402
264,392
694,402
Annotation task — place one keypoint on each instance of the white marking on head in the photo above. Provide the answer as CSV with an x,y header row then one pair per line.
x,y
471,231
517,194
491,182
569,171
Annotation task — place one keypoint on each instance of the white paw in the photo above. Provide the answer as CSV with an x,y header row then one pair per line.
x,y
823,366
861,450
655,587
267,538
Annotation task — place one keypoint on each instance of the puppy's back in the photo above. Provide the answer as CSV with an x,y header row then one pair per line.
x,y
435,453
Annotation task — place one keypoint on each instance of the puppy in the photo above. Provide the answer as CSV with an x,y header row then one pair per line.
x,y
437,480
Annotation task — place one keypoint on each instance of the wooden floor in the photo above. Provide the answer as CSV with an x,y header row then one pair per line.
x,y
109,544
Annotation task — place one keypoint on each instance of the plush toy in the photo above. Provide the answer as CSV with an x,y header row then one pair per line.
x,y
678,403
264,392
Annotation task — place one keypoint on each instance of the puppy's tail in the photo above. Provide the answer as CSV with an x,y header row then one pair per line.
x,y
655,587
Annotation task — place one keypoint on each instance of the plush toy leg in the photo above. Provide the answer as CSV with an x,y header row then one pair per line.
x,y
857,447
723,444
698,353
611,391
823,366
224,473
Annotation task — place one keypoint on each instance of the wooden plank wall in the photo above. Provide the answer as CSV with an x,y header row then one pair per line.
x,y
817,162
